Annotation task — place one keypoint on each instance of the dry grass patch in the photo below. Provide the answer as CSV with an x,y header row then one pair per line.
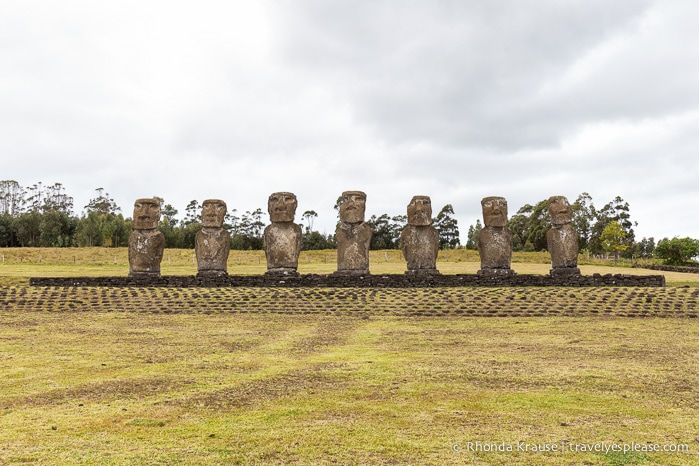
x,y
74,262
125,388
344,376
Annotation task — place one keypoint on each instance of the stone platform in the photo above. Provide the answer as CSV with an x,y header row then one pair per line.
x,y
362,281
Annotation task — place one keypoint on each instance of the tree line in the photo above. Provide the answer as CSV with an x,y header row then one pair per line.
x,y
42,215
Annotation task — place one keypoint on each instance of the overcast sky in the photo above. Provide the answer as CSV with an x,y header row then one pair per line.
x,y
456,100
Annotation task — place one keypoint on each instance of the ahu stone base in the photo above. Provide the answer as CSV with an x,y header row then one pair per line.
x,y
343,281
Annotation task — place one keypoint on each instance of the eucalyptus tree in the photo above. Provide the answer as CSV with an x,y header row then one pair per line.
x,y
448,228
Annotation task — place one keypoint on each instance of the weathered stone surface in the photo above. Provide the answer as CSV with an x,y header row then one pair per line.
x,y
212,243
420,211
146,243
495,239
353,235
352,207
495,247
282,247
494,211
146,214
496,272
560,211
350,281
420,246
561,271
353,249
283,237
419,239
281,207
562,239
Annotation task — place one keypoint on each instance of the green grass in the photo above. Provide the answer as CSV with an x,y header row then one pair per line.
x,y
185,257
342,376
19,263
99,387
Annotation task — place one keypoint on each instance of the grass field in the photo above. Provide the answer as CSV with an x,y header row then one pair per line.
x,y
343,376
17,264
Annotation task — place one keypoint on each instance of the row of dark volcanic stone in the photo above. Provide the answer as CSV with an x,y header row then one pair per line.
x,y
669,268
377,281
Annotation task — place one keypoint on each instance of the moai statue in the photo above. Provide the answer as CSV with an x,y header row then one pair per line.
x,y
212,243
495,239
283,237
353,235
419,239
146,243
562,239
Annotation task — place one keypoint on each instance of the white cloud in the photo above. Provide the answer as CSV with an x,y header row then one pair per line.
x,y
454,99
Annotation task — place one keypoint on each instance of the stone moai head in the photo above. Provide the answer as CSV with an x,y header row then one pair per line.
x,y
282,207
146,214
420,211
213,211
352,207
560,210
494,211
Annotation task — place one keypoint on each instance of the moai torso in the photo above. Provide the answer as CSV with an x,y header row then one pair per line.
x,y
495,247
145,252
353,248
420,245
283,246
562,243
212,246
